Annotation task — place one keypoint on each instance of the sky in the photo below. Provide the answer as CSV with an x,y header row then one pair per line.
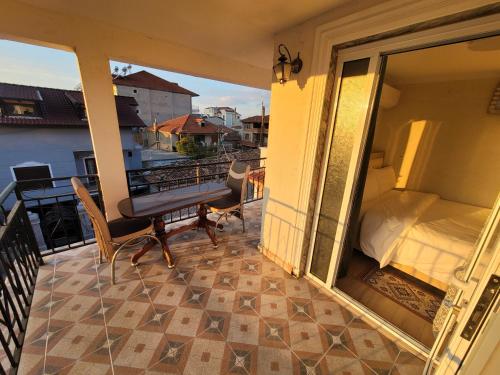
x,y
26,64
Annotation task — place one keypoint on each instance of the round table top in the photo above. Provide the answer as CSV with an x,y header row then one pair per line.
x,y
164,202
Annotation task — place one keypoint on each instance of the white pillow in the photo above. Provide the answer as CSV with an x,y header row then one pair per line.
x,y
378,182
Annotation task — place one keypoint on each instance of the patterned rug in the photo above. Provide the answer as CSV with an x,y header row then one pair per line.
x,y
413,294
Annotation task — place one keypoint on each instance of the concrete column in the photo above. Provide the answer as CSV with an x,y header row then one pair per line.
x,y
103,121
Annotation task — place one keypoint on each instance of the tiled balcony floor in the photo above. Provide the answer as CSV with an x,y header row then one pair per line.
x,y
221,311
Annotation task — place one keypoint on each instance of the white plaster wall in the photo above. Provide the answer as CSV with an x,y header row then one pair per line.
x,y
154,103
462,159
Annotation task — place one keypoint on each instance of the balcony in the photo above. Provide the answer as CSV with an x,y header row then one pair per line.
x,y
228,310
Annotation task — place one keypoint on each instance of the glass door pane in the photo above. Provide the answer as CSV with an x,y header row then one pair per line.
x,y
355,89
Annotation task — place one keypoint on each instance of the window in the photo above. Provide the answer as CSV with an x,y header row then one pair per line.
x,y
32,171
12,107
135,91
90,168
137,111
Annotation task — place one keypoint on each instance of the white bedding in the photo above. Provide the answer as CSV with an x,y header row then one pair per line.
x,y
420,230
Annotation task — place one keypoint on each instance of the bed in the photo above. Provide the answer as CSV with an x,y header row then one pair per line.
x,y
418,233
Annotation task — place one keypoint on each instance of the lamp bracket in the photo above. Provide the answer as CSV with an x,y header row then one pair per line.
x,y
296,63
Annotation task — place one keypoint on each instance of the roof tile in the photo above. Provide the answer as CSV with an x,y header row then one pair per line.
x,y
63,107
147,80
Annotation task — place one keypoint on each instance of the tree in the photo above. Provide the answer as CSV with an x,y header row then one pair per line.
x,y
188,146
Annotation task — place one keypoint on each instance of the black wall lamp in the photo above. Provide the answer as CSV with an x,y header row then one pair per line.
x,y
286,65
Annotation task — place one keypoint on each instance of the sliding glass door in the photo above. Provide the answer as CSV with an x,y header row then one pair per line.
x,y
357,91
354,89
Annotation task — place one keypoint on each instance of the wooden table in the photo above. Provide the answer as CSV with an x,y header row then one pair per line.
x,y
156,205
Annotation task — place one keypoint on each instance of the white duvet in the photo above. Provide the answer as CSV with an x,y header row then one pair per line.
x,y
420,230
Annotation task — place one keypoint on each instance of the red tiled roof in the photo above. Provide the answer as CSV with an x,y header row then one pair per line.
x,y
19,92
63,107
256,119
249,144
147,80
190,124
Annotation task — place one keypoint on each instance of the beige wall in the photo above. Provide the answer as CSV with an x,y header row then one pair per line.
x,y
293,145
459,154
289,134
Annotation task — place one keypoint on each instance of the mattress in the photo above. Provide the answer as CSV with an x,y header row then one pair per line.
x,y
432,235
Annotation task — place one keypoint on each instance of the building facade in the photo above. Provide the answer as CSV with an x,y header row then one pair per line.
x,y
164,136
156,97
44,133
229,116
252,132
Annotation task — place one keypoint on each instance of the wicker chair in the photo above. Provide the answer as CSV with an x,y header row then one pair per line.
x,y
115,235
232,205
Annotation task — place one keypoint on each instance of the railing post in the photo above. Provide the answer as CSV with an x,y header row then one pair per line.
x,y
37,230
85,224
197,172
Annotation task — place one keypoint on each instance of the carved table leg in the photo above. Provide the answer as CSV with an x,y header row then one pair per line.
x,y
204,222
159,226
147,246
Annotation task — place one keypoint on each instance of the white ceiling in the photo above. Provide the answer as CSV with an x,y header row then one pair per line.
x,y
242,29
466,60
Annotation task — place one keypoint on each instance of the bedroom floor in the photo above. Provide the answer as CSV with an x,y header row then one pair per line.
x,y
407,320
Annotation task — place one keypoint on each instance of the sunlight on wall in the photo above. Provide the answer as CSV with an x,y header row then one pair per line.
x,y
408,157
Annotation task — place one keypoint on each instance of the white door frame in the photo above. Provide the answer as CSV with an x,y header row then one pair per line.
x,y
470,291
381,18
325,41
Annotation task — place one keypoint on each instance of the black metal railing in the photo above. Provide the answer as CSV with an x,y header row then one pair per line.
x,y
150,180
19,263
60,224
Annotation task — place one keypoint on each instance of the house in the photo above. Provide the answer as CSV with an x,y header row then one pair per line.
x,y
229,116
253,134
156,97
204,132
338,135
44,133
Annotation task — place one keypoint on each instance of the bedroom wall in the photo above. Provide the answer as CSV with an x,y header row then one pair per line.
x,y
459,153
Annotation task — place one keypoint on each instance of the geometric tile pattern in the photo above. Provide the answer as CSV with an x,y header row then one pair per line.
x,y
228,310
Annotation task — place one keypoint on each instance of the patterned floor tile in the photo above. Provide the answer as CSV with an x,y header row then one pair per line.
x,y
240,359
274,333
274,361
272,306
129,315
408,364
221,300
171,354
156,318
75,342
346,364
371,346
205,357
301,309
246,303
228,310
244,329
214,325
329,312
305,337
185,322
